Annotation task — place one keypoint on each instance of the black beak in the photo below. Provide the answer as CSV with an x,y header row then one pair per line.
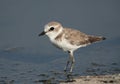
x,y
42,33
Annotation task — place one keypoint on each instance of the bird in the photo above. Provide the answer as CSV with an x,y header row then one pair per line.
x,y
68,40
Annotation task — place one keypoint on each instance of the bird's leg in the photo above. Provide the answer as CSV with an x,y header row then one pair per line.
x,y
72,61
65,69
72,65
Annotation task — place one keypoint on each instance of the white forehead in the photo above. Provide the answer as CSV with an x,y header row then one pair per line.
x,y
51,24
46,27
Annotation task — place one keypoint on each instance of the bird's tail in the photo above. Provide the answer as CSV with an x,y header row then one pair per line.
x,y
96,38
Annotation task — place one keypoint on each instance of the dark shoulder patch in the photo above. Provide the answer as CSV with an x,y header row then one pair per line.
x,y
59,37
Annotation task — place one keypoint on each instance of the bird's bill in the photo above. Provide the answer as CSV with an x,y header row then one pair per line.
x,y
42,33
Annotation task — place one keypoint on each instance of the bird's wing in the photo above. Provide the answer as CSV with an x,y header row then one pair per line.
x,y
75,37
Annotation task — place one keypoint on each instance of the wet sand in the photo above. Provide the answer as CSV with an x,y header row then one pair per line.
x,y
101,79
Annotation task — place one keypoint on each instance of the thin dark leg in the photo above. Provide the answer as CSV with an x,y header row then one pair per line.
x,y
65,69
72,61
68,62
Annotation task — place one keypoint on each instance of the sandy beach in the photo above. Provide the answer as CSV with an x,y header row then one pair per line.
x,y
101,79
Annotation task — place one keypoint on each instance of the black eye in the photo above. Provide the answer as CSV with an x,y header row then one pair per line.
x,y
52,28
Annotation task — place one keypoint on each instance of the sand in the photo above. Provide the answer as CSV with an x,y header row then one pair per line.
x,y
101,79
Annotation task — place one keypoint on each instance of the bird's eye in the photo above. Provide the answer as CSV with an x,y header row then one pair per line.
x,y
52,28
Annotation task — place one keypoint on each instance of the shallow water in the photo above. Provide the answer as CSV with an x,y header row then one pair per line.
x,y
18,66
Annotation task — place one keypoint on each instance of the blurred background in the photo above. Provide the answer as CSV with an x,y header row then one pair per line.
x,y
22,20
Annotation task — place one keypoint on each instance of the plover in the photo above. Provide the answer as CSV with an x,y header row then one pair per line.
x,y
68,40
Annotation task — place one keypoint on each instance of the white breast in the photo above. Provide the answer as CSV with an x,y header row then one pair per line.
x,y
64,45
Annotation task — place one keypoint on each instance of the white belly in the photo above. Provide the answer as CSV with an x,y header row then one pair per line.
x,y
65,45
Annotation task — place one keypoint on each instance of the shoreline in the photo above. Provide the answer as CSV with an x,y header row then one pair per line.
x,y
101,79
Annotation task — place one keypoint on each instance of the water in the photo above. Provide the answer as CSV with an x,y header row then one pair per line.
x,y
19,66
27,58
